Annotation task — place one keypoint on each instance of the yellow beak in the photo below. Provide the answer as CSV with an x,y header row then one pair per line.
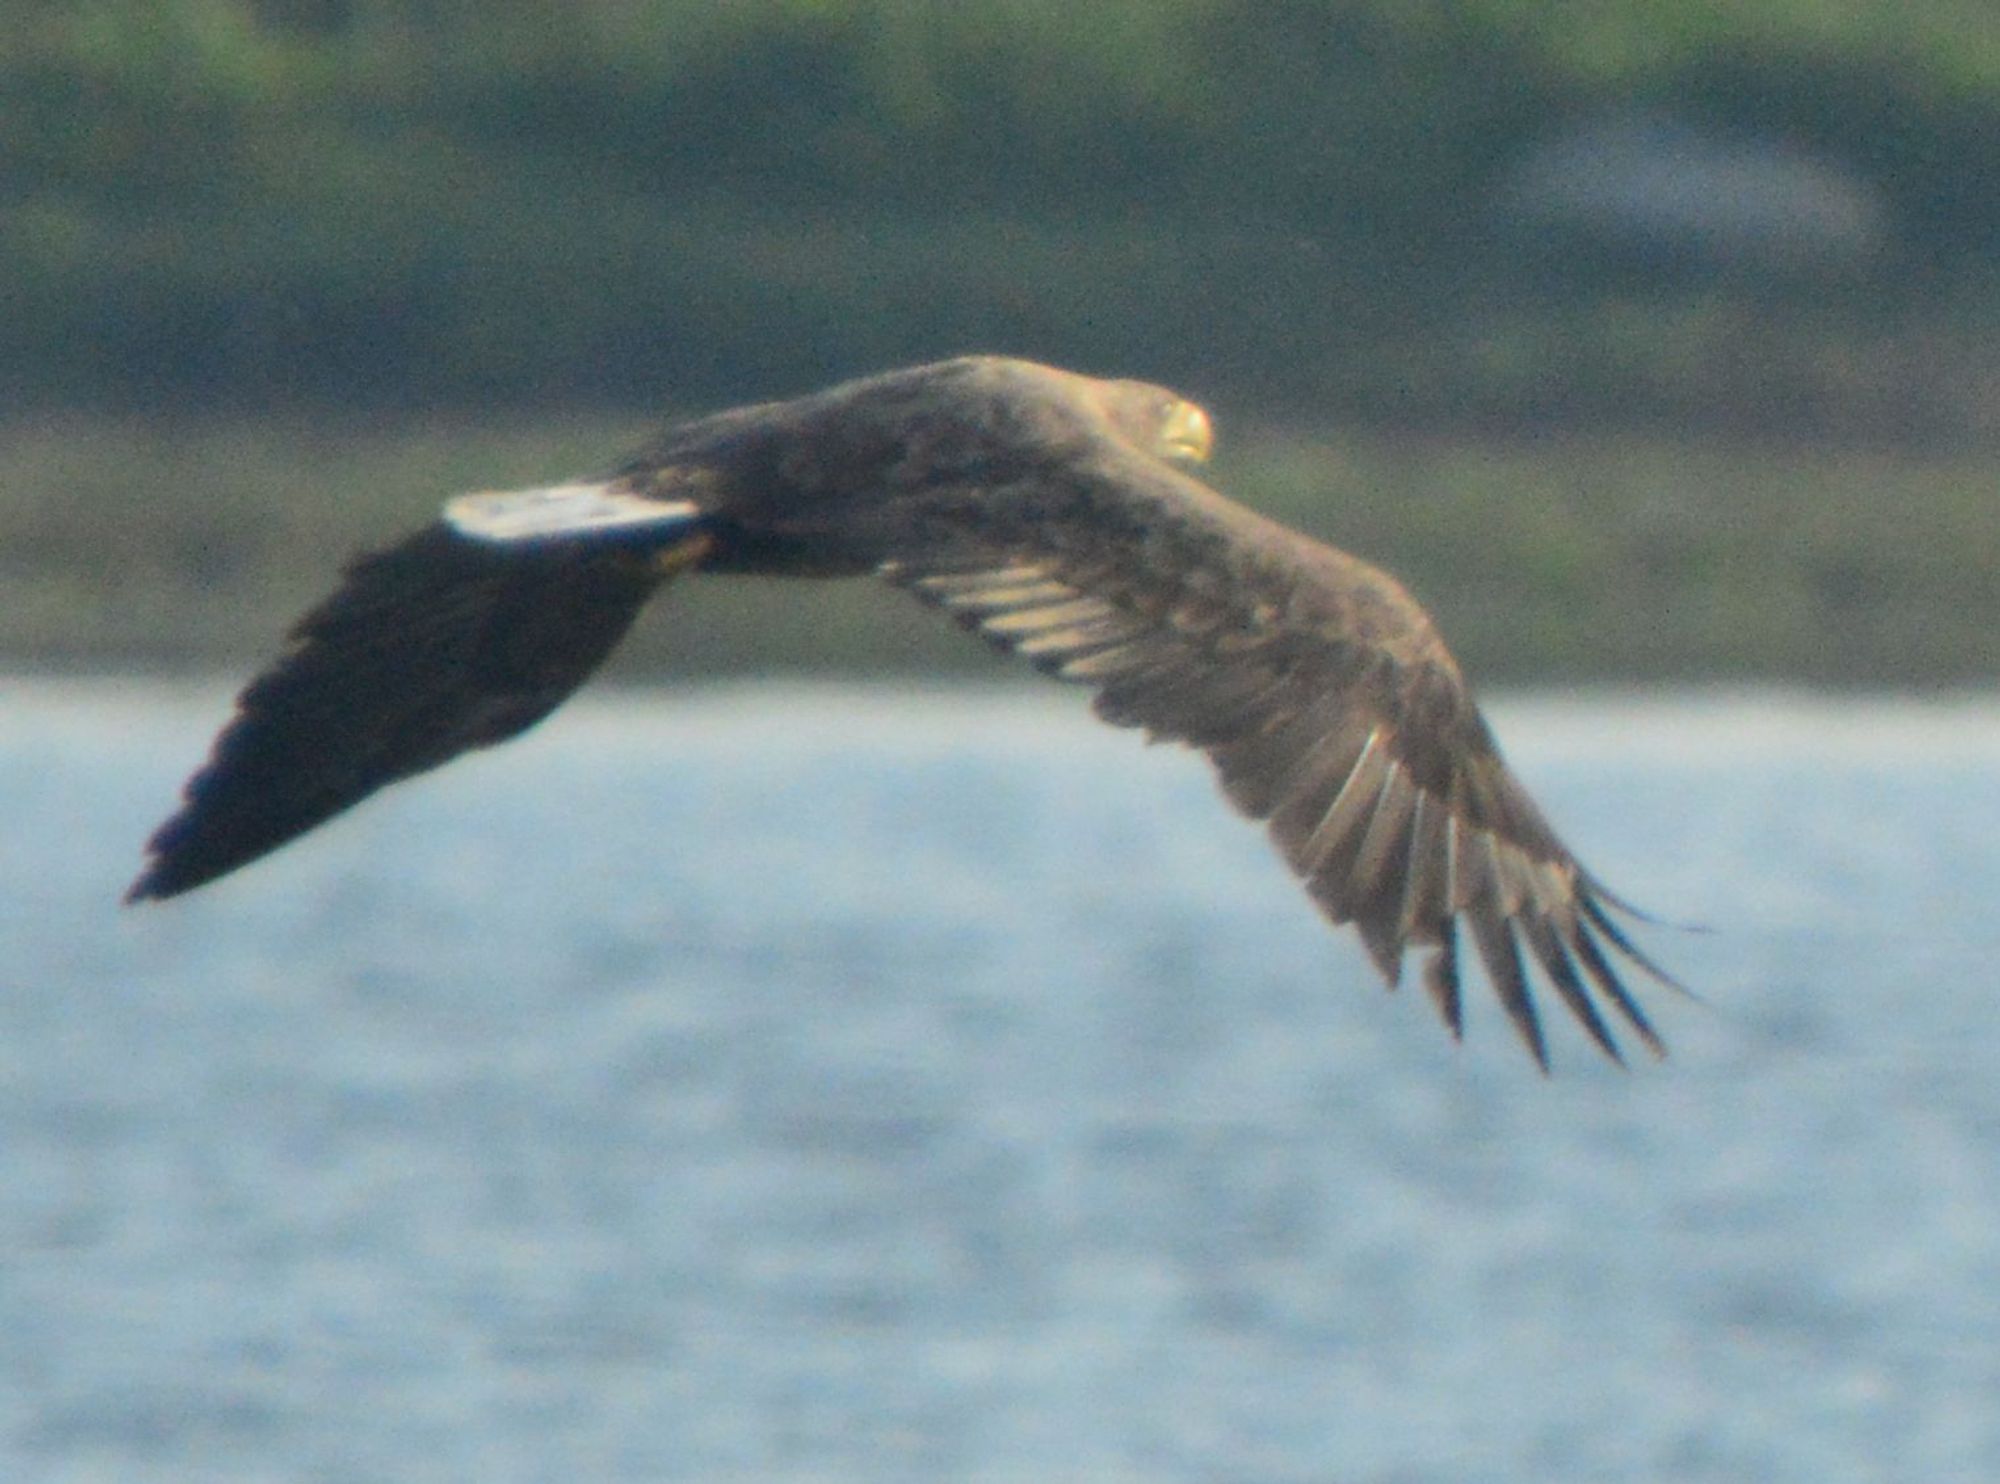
x,y
1188,434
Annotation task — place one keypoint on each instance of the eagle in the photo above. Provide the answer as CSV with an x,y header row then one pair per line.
x,y
1055,515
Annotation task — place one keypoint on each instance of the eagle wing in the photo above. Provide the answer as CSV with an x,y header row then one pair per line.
x,y
436,645
1320,691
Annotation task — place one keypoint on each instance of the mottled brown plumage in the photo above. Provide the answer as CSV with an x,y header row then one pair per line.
x,y
1043,510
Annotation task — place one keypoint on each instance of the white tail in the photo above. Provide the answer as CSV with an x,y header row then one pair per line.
x,y
558,511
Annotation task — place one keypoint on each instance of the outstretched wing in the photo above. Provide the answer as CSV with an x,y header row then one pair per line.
x,y
442,643
1320,691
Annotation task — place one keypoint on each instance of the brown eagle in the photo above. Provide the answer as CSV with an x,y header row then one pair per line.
x,y
1050,512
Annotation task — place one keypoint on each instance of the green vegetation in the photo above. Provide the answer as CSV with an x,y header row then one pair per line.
x,y
187,544
275,203
274,275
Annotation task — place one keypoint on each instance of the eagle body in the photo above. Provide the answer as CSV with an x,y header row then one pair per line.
x,y
1052,513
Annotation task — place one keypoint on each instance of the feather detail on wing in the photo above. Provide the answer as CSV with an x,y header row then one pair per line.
x,y
1353,737
427,649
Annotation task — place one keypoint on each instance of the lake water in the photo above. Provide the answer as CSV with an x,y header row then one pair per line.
x,y
822,1084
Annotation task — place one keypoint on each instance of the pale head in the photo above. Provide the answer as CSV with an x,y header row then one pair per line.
x,y
1161,422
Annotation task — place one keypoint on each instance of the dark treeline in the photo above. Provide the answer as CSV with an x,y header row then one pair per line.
x,y
1289,203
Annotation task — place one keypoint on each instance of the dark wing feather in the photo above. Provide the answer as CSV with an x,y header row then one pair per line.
x,y
429,648
1321,693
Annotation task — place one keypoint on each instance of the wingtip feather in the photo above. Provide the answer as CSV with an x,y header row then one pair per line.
x,y
1441,982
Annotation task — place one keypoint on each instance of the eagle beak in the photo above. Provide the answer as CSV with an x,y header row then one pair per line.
x,y
1188,434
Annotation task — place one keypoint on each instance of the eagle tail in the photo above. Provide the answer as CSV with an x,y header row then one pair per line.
x,y
576,511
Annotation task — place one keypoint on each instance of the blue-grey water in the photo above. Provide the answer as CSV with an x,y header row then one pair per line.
x,y
843,1085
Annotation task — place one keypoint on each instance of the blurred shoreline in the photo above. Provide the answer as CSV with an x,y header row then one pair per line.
x,y
189,545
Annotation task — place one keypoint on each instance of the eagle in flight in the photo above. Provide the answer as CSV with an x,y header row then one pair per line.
x,y
1052,513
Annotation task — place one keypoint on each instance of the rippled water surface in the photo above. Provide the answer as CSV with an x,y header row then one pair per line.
x,y
852,1085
